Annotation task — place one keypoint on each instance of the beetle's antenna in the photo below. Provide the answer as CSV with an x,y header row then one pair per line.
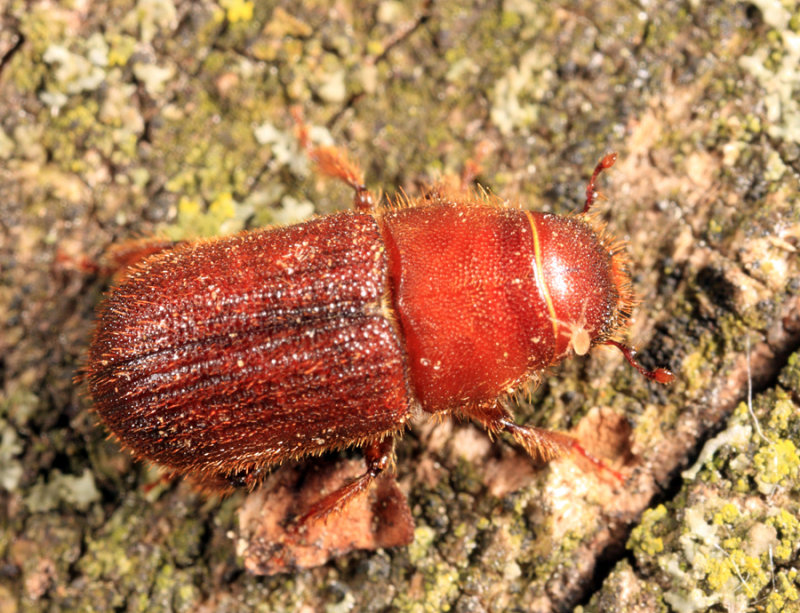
x,y
662,375
334,162
591,191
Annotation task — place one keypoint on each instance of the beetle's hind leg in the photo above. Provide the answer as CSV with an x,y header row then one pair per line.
x,y
379,456
334,162
541,444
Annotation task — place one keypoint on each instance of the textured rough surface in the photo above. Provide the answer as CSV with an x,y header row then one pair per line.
x,y
134,118
221,358
729,539
457,270
379,519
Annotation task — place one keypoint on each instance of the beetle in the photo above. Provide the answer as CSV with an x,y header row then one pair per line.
x,y
220,359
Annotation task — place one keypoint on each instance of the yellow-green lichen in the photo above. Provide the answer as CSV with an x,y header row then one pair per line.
x,y
777,463
423,539
790,375
727,514
41,26
694,367
224,216
782,413
237,10
120,48
774,64
733,537
152,18
787,527
642,536
440,586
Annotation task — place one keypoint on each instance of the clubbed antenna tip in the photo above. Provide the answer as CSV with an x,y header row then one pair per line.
x,y
661,375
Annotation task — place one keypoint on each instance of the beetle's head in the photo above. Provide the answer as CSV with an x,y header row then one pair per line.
x,y
588,288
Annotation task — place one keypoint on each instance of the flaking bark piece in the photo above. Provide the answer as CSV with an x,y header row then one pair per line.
x,y
269,543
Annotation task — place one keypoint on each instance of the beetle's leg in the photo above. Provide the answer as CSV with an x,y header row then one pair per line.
x,y
334,162
541,444
662,375
379,457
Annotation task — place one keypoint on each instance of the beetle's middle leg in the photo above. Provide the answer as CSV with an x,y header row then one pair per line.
x,y
379,456
334,162
541,444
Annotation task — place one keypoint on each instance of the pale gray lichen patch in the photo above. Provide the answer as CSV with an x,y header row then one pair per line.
x,y
774,64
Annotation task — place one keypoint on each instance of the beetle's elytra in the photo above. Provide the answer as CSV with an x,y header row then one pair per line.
x,y
219,359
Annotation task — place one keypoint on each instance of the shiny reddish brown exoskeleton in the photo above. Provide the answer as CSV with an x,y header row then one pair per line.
x,y
219,359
